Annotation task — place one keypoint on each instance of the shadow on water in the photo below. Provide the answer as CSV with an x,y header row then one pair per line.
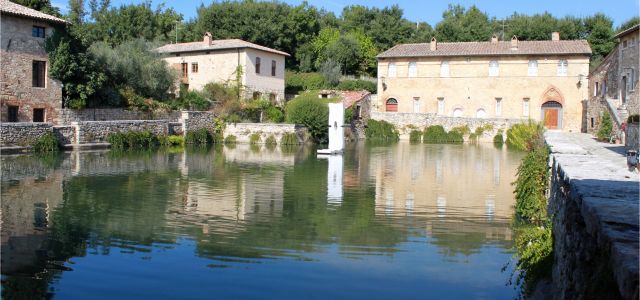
x,y
421,209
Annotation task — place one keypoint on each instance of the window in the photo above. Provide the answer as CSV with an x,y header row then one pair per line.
x,y
273,68
498,106
184,67
257,65
391,72
494,68
481,113
593,122
444,69
562,67
13,113
441,106
457,113
525,107
604,87
413,69
595,88
416,104
39,71
37,31
38,114
533,68
624,44
194,67
392,105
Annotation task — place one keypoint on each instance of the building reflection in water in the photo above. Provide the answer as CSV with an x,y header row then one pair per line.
x,y
335,178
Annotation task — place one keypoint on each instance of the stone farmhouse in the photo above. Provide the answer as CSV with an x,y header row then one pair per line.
x,y
27,93
539,80
614,83
199,63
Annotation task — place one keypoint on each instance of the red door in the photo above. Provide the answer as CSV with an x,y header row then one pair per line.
x,y
391,105
551,118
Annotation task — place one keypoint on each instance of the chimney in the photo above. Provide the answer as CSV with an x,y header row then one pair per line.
x,y
434,44
514,42
207,38
494,39
555,36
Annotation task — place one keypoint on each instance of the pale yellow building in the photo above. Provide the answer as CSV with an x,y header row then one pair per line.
x,y
199,63
540,80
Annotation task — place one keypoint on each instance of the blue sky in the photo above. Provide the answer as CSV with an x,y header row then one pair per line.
x,y
431,10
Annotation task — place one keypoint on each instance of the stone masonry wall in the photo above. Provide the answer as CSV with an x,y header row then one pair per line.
x,y
594,208
632,140
97,131
19,50
22,134
194,120
405,121
243,131
112,114
66,134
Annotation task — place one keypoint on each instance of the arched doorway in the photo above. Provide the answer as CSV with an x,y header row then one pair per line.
x,y
457,113
552,115
481,113
391,105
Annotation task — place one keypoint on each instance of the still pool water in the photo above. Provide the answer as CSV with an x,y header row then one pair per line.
x,y
380,222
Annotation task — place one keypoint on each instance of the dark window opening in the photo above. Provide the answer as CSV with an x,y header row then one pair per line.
x,y
38,114
256,95
39,73
13,113
273,68
37,31
185,70
593,121
257,65
194,67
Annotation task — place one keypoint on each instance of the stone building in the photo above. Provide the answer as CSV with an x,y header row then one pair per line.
x,y
27,93
540,80
613,84
199,63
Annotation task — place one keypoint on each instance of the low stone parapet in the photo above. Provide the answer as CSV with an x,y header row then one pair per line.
x,y
632,136
243,131
97,131
68,115
22,134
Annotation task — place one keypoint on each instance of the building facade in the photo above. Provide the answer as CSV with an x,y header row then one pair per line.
x,y
261,69
27,93
613,85
539,80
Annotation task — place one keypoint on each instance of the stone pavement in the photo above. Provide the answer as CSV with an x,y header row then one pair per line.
x,y
594,200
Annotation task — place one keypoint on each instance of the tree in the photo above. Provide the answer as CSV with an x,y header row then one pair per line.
x,y
628,24
41,5
599,29
460,25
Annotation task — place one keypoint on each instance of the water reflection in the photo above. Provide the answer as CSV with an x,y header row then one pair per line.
x,y
389,218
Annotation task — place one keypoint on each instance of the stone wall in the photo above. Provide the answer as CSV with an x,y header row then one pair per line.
x,y
112,114
66,134
632,139
594,207
194,120
22,134
97,131
243,131
404,122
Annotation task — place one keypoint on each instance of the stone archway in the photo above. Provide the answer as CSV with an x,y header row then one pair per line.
x,y
551,108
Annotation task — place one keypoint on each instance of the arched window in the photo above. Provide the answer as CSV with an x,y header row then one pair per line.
x,y
413,69
457,113
391,72
533,68
444,69
391,105
481,113
563,65
494,68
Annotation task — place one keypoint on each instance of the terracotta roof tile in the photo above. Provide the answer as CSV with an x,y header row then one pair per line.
x,y
11,8
215,45
351,97
489,49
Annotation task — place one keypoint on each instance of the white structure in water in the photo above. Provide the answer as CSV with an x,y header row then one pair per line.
x,y
334,179
336,130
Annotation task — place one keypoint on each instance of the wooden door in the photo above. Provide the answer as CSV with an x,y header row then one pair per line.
x,y
551,118
392,107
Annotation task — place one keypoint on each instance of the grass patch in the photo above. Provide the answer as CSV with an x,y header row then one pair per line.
x,y
199,137
381,131
230,139
289,138
437,135
415,136
171,140
46,143
254,139
271,140
133,140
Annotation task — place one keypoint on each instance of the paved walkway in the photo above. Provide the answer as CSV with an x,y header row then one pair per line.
x,y
607,195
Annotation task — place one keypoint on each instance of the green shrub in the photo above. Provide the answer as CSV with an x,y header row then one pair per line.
x,y
415,136
357,85
606,127
46,143
299,82
525,137
199,137
271,140
171,140
306,110
531,185
132,139
534,245
348,115
289,138
274,114
463,130
633,119
230,139
254,138
437,135
381,130
498,140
